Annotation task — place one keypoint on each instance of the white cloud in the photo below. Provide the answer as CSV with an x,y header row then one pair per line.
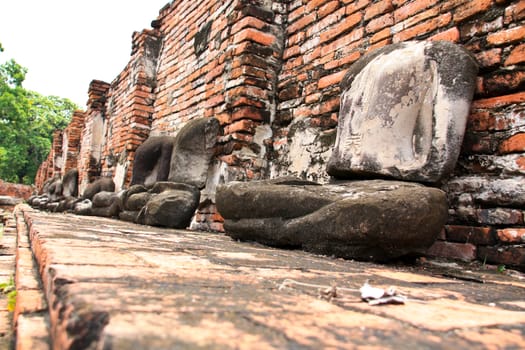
x,y
65,44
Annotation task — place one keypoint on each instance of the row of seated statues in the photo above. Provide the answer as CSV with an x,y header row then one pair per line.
x,y
168,174
401,122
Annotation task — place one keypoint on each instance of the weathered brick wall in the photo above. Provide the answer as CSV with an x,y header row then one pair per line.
x,y
89,160
222,62
41,174
64,152
129,107
57,153
15,190
487,194
52,166
270,72
487,191
71,142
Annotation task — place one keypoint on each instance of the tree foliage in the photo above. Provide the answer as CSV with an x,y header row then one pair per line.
x,y
27,122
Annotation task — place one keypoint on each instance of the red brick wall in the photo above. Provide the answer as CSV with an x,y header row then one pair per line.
x,y
270,72
64,152
15,190
71,142
222,62
128,108
52,166
232,79
118,116
41,174
487,191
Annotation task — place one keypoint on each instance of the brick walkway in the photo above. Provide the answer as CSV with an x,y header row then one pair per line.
x,y
126,286
7,270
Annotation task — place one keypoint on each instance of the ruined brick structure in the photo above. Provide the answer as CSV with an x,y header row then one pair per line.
x,y
64,152
270,72
15,190
71,137
52,166
90,153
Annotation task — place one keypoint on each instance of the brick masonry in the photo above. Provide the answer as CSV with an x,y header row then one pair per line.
x,y
89,157
110,284
71,142
270,72
15,190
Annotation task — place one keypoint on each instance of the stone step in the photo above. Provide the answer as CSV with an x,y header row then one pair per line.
x,y
113,284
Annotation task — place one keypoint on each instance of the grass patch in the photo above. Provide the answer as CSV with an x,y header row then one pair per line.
x,y
9,289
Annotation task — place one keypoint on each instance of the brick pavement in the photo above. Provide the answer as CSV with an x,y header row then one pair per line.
x,y
115,285
7,269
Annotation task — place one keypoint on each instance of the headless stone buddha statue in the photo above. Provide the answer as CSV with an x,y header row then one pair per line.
x,y
168,174
402,118
403,112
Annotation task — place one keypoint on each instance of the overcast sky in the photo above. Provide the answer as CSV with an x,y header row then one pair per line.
x,y
67,43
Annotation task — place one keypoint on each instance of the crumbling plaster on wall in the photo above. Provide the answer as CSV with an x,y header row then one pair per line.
x,y
305,152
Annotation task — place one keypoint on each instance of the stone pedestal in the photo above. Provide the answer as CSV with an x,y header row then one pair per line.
x,y
369,220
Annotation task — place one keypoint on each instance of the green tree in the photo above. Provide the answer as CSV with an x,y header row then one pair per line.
x,y
27,122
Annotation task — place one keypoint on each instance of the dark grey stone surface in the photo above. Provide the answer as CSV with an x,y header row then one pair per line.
x,y
134,189
136,201
10,201
102,184
40,201
192,152
70,183
107,204
163,186
111,211
83,207
152,160
103,199
171,208
54,190
370,220
265,199
128,215
47,184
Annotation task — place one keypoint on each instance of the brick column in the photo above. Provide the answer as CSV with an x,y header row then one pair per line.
x,y
71,141
129,108
89,165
